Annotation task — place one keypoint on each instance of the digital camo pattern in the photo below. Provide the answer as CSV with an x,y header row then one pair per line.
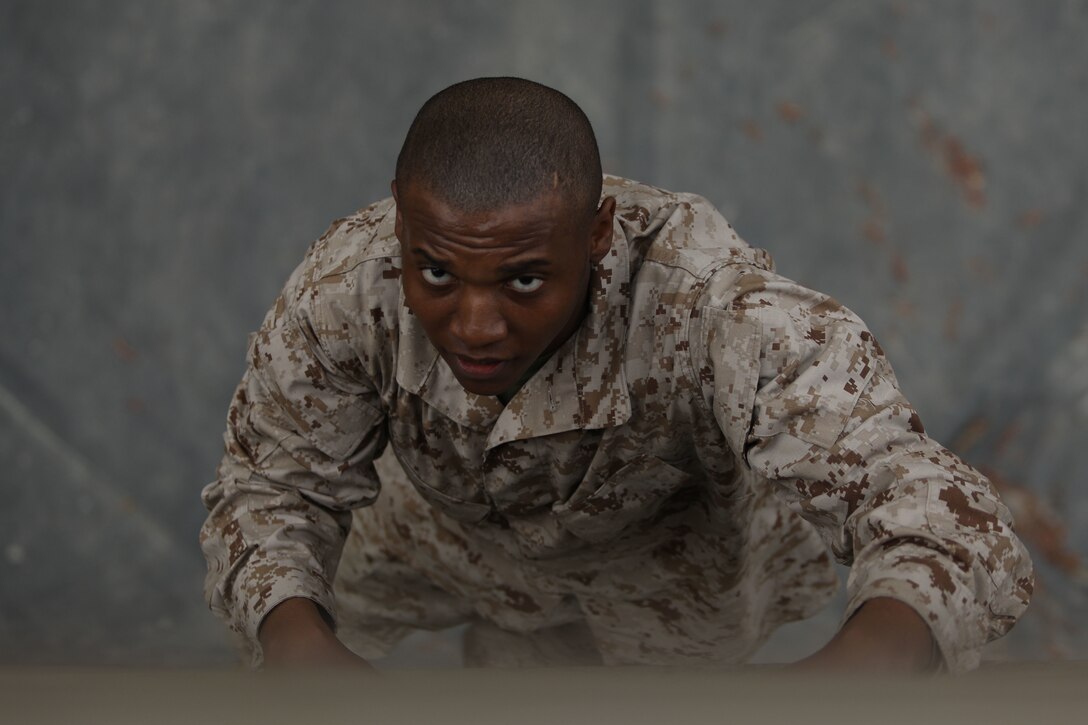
x,y
674,480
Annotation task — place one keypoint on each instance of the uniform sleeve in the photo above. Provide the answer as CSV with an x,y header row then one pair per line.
x,y
300,443
804,391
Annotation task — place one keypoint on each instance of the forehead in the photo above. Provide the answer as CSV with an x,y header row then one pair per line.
x,y
538,224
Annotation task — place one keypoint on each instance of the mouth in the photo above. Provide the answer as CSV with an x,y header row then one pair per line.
x,y
479,368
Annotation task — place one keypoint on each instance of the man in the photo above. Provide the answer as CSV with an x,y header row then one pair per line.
x,y
612,433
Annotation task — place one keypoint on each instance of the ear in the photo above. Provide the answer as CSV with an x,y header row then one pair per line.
x,y
399,224
601,232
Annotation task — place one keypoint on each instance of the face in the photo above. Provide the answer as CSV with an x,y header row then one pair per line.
x,y
495,290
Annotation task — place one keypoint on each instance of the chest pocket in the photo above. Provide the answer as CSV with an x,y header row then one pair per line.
x,y
450,503
634,493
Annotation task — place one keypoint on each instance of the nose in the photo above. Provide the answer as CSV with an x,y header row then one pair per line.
x,y
478,322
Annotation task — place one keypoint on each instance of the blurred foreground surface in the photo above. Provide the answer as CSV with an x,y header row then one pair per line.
x,y
1003,694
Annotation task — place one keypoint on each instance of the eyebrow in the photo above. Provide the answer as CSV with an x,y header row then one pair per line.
x,y
513,269
419,252
510,269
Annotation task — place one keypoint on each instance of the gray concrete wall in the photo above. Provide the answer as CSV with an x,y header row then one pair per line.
x,y
164,165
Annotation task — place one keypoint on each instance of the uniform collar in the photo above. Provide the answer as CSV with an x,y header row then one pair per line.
x,y
581,387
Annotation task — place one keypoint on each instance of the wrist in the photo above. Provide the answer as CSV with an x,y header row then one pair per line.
x,y
883,635
294,619
895,632
298,633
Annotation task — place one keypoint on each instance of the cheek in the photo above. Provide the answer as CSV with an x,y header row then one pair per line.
x,y
428,309
546,317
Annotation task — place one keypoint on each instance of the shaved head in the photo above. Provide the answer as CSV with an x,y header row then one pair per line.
x,y
491,143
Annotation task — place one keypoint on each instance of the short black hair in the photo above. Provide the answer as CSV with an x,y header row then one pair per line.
x,y
488,143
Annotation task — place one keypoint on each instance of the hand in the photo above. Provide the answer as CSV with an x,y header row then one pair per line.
x,y
295,634
884,635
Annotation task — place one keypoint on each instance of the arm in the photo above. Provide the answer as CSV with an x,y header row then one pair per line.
x,y
297,632
884,635
300,442
823,420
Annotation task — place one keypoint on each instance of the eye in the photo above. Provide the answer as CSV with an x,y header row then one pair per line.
x,y
526,284
436,276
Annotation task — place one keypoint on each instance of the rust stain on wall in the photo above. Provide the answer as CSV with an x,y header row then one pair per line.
x,y
752,130
124,350
1030,219
900,271
790,112
964,168
1037,523
717,28
952,321
660,98
971,433
873,229
906,309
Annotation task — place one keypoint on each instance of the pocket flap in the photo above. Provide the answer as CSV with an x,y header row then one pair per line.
x,y
633,493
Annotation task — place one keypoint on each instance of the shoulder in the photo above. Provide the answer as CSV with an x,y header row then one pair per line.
x,y
344,297
668,232
350,276
683,254
336,260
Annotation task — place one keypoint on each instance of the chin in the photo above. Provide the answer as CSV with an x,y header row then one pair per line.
x,y
477,388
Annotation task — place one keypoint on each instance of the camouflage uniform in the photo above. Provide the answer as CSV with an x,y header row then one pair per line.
x,y
672,482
